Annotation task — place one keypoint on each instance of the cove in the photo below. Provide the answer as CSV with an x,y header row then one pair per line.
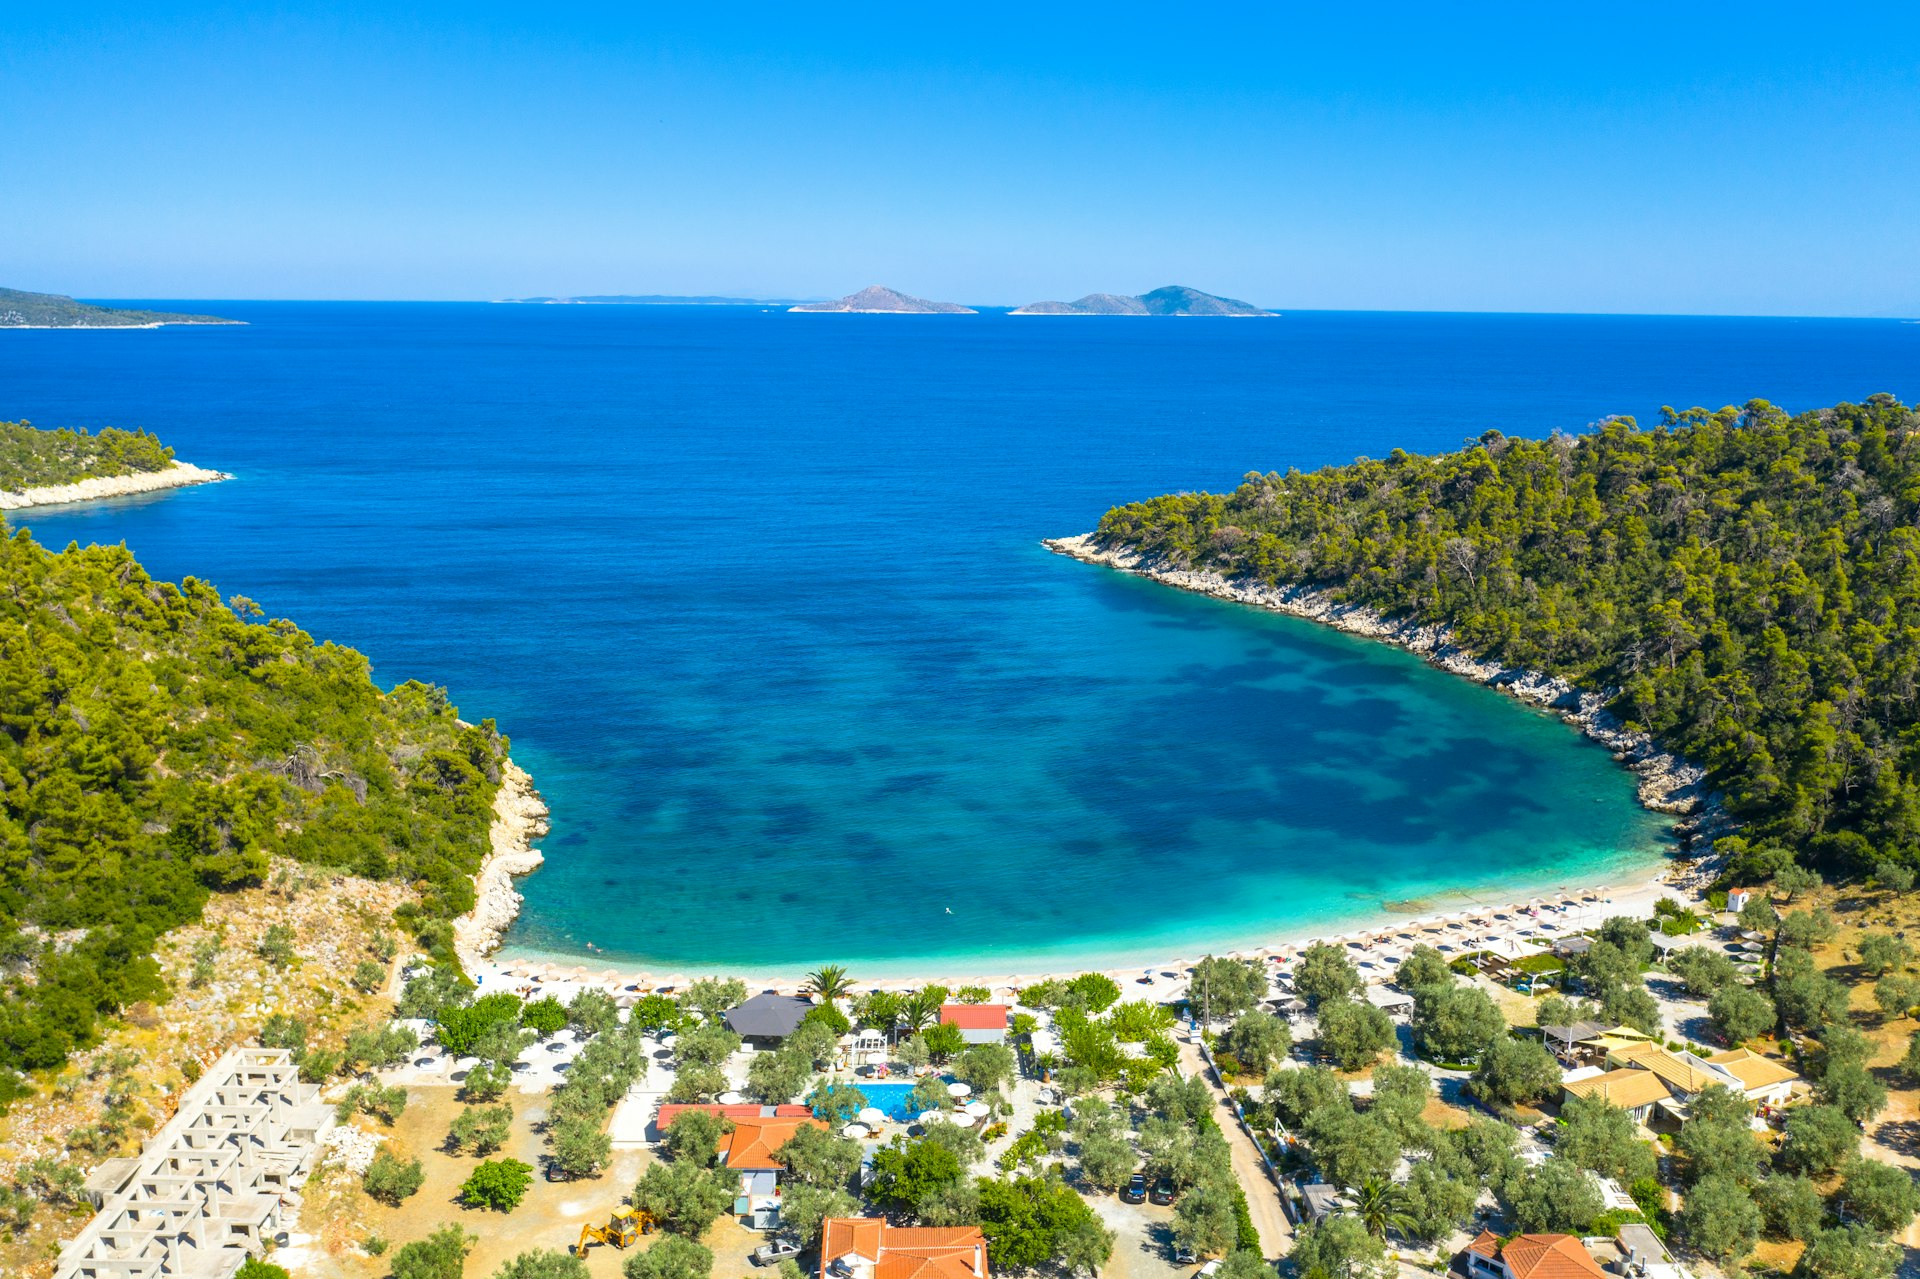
x,y
761,602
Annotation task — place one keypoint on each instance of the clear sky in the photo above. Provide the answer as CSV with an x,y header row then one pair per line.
x,y
1753,160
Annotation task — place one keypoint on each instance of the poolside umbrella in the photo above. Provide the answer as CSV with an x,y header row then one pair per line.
x,y
979,1109
932,1117
873,1116
959,1090
854,1130
961,1120
731,1099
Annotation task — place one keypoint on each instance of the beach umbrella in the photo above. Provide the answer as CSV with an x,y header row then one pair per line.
x,y
854,1130
873,1116
960,1119
959,1090
931,1117
731,1099
978,1109
1754,935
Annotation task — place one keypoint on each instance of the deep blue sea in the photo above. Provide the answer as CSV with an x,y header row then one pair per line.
x,y
760,599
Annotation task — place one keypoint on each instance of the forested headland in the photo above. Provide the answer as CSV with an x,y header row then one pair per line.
x,y
157,746
34,458
1746,584
21,309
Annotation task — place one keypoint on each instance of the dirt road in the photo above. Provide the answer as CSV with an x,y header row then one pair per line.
x,y
1263,1197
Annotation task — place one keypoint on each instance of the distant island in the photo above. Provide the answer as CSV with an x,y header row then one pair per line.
x,y
878,300
652,299
22,310
1175,299
47,468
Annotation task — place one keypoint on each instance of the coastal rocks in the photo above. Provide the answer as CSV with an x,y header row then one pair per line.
x,y
1666,783
179,475
519,818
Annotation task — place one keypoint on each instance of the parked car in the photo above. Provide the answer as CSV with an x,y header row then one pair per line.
x,y
1184,1255
1136,1191
1163,1192
775,1251
1209,1270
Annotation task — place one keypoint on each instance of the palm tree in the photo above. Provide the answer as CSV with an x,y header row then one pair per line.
x,y
830,982
1377,1204
921,1009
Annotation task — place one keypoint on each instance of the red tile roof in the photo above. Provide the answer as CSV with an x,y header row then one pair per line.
x,y
1540,1256
752,1142
664,1119
904,1252
975,1016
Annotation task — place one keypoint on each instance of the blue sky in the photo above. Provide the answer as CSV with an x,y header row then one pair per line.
x,y
1757,160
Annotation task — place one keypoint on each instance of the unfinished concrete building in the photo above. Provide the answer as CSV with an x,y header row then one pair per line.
x,y
211,1187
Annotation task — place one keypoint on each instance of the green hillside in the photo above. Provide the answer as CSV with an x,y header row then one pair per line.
x,y
31,458
1747,580
20,309
155,747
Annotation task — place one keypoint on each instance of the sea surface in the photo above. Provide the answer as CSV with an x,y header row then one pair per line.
x,y
761,601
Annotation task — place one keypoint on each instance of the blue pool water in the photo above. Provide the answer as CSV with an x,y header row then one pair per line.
x,y
760,601
893,1100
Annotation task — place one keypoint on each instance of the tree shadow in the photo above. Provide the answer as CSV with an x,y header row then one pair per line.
x,y
1902,1136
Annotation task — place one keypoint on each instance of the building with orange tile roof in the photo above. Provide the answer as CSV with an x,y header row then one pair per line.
x,y
749,1149
870,1248
1530,1257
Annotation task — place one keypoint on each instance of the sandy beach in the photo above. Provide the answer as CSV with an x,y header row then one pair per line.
x,y
179,475
1515,926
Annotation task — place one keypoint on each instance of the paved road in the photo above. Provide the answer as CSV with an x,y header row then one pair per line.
x,y
1263,1197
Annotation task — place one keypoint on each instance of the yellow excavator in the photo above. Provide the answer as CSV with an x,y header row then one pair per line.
x,y
622,1230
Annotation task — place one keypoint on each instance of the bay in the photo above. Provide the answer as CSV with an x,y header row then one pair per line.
x,y
759,598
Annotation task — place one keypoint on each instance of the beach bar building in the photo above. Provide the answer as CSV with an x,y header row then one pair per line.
x,y
768,1017
978,1023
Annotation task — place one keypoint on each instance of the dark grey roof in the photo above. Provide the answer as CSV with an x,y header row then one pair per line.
x,y
768,1016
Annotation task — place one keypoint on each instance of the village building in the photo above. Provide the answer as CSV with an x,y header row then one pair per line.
x,y
870,1248
1641,1076
1527,1257
749,1150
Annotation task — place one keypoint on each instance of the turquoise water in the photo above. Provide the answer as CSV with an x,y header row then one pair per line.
x,y
760,600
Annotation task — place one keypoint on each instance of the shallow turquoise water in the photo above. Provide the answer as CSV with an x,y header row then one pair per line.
x,y
761,602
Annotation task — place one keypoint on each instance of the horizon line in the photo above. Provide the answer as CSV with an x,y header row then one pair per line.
x,y
1278,312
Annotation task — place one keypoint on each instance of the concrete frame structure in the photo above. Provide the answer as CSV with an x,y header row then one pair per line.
x,y
210,1188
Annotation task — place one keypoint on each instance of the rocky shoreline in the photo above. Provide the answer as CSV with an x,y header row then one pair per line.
x,y
179,475
519,818
1666,783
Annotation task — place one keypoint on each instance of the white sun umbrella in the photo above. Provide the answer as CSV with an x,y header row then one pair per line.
x,y
959,1090
855,1130
932,1117
873,1116
731,1099
978,1109
960,1119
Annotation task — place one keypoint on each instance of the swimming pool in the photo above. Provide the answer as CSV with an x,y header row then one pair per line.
x,y
893,1100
